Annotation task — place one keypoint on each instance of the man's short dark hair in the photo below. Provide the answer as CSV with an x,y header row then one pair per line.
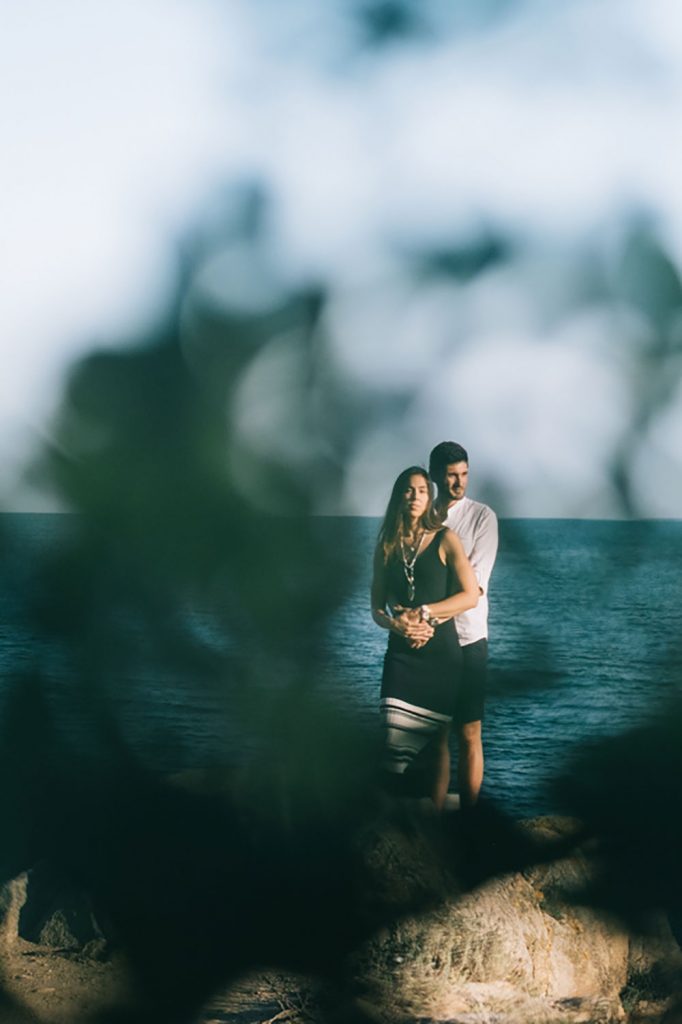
x,y
444,454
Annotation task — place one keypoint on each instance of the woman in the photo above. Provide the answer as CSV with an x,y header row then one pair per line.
x,y
422,576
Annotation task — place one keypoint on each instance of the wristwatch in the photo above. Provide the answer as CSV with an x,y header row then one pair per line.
x,y
426,616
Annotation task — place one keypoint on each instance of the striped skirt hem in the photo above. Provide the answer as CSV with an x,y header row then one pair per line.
x,y
408,728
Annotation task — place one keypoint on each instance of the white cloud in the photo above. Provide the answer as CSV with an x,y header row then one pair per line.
x,y
539,415
656,464
121,120
110,116
547,123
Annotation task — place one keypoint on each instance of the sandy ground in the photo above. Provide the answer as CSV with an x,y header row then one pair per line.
x,y
60,987
52,987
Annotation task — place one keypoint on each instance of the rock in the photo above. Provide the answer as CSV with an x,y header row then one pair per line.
x,y
516,948
654,970
12,899
41,907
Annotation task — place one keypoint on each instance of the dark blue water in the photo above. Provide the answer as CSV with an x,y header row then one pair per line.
x,y
585,631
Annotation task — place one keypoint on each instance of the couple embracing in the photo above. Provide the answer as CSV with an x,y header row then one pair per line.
x,y
432,565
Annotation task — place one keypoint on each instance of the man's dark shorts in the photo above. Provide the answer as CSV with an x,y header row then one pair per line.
x,y
470,699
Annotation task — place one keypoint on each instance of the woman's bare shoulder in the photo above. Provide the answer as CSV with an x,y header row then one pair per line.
x,y
450,540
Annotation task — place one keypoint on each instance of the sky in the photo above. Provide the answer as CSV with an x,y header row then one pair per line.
x,y
552,126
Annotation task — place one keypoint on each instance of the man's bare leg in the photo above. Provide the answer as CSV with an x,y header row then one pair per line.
x,y
470,763
441,769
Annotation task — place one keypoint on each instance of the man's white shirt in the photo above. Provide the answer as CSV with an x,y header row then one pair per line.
x,y
476,526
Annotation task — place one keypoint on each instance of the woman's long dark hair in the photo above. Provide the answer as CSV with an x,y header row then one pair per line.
x,y
393,527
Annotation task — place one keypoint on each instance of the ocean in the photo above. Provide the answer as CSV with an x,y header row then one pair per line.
x,y
585,642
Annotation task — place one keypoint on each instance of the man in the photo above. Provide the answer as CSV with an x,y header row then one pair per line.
x,y
476,525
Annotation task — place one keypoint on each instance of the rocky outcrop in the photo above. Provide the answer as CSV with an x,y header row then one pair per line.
x,y
12,899
42,908
515,949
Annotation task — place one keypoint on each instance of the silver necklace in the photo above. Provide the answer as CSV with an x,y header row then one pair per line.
x,y
409,559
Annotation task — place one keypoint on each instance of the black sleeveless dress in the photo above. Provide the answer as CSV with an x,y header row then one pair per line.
x,y
418,687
